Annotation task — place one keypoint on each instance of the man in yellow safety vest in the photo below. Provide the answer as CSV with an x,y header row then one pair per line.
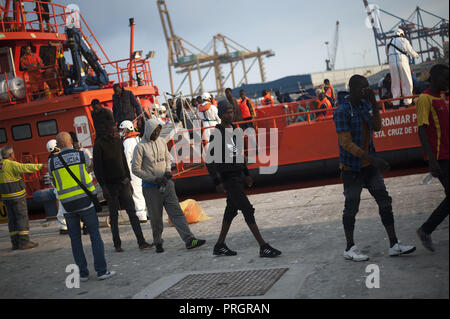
x,y
13,194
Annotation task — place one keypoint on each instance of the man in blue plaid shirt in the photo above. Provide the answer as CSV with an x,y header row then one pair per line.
x,y
355,121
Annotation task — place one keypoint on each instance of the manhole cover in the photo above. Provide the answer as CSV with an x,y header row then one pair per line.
x,y
224,284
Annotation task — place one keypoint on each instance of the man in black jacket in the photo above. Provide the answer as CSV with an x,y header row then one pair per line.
x,y
111,171
228,176
125,105
237,114
102,117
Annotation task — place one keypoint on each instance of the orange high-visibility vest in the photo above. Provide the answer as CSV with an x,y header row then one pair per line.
x,y
268,97
329,91
244,108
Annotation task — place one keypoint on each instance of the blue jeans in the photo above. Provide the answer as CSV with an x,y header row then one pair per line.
x,y
369,177
90,219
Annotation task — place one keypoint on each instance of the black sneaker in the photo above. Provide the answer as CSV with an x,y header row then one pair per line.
x,y
159,248
268,251
426,240
194,243
63,231
222,249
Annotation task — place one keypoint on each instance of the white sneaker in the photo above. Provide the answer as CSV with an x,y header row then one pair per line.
x,y
355,255
84,279
400,249
109,274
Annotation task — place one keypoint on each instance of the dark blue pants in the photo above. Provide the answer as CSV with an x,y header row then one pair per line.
x,y
90,219
441,212
369,177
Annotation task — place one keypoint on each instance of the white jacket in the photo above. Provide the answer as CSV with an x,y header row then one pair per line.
x,y
404,45
129,144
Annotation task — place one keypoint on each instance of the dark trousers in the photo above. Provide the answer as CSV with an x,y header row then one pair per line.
x,y
121,194
441,212
90,219
247,125
369,177
237,199
18,224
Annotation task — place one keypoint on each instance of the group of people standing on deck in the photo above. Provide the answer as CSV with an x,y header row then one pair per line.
x,y
355,120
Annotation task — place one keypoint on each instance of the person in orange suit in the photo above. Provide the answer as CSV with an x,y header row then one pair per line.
x,y
32,64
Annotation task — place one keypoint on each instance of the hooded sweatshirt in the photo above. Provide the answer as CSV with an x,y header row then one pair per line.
x,y
151,159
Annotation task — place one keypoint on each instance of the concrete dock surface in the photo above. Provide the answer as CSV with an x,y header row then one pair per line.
x,y
305,224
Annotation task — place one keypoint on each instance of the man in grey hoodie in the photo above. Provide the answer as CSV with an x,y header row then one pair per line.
x,y
151,163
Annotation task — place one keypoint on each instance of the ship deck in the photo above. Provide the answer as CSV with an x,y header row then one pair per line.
x,y
305,224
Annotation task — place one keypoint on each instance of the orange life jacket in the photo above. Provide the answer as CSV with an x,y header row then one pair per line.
x,y
205,107
329,91
244,108
268,97
215,102
131,135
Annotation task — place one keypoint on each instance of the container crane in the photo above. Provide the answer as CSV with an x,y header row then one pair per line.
x,y
332,59
186,58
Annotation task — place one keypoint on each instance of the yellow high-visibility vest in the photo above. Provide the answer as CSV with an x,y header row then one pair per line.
x,y
71,195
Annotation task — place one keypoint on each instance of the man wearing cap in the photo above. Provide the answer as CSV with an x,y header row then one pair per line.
x,y
397,52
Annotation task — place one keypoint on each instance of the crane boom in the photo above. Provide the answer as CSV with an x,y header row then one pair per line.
x,y
331,61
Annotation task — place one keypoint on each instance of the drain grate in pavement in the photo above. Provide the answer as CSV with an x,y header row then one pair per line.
x,y
224,284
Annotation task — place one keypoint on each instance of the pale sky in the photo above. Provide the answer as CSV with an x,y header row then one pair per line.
x,y
296,30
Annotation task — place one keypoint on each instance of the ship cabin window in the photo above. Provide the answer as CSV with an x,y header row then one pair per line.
x,y
21,132
22,53
48,55
47,128
3,138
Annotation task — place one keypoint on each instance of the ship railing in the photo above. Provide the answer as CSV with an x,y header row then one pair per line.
x,y
119,72
25,18
188,164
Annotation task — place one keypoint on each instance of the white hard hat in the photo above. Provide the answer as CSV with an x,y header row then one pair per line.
x,y
206,96
127,125
162,108
51,145
400,32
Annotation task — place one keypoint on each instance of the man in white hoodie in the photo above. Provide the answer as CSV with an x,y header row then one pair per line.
x,y
151,163
397,51
130,139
